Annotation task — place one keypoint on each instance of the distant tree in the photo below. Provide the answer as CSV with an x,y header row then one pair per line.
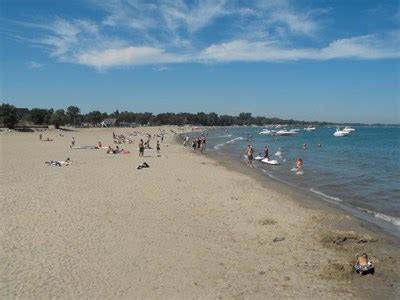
x,y
39,116
212,119
94,117
73,114
8,115
58,118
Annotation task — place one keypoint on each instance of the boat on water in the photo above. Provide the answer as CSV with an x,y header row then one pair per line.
x,y
310,128
265,131
348,129
340,133
284,132
294,130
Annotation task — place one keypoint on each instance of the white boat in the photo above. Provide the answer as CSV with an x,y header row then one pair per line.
x,y
265,131
340,133
286,133
294,130
348,129
310,128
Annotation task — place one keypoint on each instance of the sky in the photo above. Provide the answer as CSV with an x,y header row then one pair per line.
x,y
332,60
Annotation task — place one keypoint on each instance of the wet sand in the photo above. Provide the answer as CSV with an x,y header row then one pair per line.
x,y
188,226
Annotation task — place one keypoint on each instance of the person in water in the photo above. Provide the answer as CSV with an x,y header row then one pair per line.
x,y
250,153
266,152
299,164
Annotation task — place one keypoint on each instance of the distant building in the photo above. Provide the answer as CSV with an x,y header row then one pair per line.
x,y
109,122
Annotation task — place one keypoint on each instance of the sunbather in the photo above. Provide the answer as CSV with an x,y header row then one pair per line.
x,y
363,265
58,163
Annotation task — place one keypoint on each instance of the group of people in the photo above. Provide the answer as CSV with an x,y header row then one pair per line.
x,y
250,157
146,145
117,150
121,139
199,143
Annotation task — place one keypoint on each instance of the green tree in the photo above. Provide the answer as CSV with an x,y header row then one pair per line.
x,y
8,115
58,118
73,114
38,116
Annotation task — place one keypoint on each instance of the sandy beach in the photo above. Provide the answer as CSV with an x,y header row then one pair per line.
x,y
186,227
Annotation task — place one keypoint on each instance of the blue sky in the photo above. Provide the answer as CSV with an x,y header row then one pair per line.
x,y
335,60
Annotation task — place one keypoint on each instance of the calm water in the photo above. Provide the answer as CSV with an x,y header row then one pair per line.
x,y
361,171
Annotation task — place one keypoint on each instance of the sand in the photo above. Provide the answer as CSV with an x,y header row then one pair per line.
x,y
187,227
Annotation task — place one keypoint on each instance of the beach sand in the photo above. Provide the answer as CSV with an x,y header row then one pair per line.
x,y
187,227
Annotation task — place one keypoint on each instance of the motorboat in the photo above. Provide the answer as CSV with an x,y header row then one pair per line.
x,y
348,129
284,132
340,133
310,128
265,131
294,130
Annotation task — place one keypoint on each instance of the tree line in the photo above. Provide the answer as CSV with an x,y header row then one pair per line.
x,y
10,116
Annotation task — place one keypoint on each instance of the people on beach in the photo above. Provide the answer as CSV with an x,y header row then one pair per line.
x,y
72,142
363,265
58,163
99,145
250,153
40,137
203,144
158,147
194,145
141,148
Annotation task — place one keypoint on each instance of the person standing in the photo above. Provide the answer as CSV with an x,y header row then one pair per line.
x,y
250,153
266,152
40,137
72,142
158,147
141,148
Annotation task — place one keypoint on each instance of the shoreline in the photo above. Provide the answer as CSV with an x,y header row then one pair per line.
x,y
377,225
188,226
381,222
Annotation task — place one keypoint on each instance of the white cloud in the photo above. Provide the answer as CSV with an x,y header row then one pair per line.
x,y
362,47
137,32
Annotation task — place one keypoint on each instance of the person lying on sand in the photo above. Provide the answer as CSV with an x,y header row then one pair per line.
x,y
47,140
58,163
363,265
143,165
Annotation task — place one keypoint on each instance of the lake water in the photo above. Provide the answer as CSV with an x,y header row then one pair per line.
x,y
361,171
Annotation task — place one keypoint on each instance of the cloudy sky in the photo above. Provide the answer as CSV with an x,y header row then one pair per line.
x,y
332,60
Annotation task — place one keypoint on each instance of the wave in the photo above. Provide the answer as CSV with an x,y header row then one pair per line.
x,y
234,140
325,195
220,136
390,219
216,147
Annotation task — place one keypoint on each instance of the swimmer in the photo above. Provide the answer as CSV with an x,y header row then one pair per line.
x,y
299,163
